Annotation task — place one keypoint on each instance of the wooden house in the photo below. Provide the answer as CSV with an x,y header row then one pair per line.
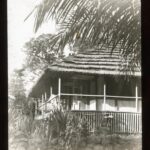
x,y
91,83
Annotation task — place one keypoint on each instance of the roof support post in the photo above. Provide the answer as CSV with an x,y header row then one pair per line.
x,y
51,90
36,107
136,98
59,89
104,102
45,101
42,106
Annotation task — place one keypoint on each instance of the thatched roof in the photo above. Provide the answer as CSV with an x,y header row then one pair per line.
x,y
87,61
96,61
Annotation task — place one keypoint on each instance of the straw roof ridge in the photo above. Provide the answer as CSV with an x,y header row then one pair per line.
x,y
98,53
95,71
99,61
70,64
95,67
96,56
95,62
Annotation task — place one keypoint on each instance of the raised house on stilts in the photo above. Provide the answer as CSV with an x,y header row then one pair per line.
x,y
94,84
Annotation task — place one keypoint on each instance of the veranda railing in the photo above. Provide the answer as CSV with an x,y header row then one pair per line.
x,y
121,122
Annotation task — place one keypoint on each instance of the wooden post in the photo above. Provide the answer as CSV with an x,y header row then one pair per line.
x,y
51,90
59,89
35,107
42,104
136,98
104,102
45,101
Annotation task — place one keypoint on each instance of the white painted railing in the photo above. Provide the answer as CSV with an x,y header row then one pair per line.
x,y
44,105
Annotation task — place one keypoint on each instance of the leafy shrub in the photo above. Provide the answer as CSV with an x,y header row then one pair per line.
x,y
57,123
73,133
66,130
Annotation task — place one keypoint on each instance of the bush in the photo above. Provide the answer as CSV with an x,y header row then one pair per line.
x,y
76,133
66,130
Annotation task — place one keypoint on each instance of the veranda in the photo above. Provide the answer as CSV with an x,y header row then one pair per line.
x,y
117,121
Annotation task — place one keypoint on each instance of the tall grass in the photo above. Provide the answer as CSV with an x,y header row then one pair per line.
x,y
61,131
25,133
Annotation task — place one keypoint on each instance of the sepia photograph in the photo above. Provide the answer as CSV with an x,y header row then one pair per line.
x,y
74,75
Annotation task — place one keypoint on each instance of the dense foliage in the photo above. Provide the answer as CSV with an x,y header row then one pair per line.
x,y
66,130
40,53
62,131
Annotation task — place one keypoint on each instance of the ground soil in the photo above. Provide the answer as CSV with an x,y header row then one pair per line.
x,y
114,142
94,142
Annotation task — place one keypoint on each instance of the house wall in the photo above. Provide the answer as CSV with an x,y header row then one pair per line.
x,y
97,88
110,105
100,104
126,106
123,106
118,105
79,105
92,104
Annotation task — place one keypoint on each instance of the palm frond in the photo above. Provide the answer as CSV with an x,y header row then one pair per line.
x,y
96,21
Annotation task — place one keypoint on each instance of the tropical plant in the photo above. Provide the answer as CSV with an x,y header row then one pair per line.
x,y
76,133
57,123
96,22
66,131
